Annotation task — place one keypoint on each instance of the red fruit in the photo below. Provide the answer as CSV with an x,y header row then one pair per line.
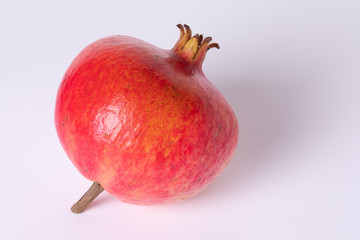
x,y
144,123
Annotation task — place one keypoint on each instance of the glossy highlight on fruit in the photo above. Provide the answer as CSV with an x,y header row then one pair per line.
x,y
144,123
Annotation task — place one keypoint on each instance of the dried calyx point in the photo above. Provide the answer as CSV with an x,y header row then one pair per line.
x,y
192,48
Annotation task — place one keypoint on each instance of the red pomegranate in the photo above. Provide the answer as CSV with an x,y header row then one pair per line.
x,y
144,123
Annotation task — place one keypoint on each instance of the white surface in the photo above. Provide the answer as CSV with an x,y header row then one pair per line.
x,y
290,69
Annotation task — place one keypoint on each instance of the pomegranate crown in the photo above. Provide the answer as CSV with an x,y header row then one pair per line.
x,y
192,48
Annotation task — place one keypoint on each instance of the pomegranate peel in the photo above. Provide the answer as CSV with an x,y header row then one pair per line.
x,y
144,123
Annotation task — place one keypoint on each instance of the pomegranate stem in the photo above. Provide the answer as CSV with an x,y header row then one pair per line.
x,y
87,198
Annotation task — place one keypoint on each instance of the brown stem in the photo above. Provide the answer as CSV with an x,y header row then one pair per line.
x,y
88,197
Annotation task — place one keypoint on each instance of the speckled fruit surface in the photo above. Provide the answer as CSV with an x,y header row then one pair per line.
x,y
145,122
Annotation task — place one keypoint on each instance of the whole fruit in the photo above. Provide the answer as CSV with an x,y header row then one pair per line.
x,y
144,123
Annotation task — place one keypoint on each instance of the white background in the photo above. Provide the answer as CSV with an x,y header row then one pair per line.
x,y
290,69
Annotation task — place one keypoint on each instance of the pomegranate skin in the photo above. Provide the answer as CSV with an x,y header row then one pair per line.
x,y
143,122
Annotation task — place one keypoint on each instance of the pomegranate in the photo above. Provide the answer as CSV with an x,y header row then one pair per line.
x,y
144,123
